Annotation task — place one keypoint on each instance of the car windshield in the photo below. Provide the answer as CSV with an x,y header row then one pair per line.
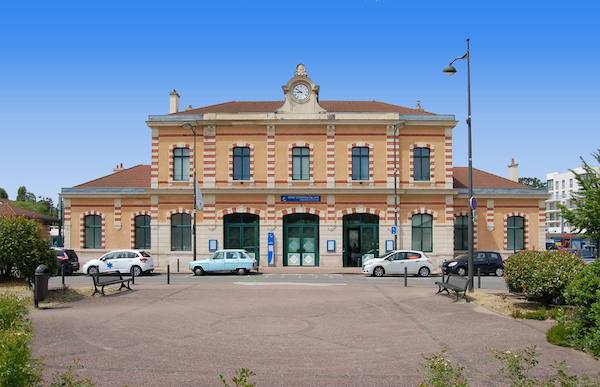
x,y
145,254
60,253
463,257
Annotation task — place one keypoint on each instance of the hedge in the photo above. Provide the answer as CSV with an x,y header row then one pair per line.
x,y
541,275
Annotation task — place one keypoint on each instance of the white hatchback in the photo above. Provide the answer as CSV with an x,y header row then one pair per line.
x,y
123,261
394,262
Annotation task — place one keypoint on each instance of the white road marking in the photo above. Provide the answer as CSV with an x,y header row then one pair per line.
x,y
288,284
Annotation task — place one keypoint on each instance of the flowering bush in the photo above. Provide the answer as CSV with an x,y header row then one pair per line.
x,y
541,275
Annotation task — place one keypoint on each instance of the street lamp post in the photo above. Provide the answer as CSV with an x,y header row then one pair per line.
x,y
395,187
187,125
450,70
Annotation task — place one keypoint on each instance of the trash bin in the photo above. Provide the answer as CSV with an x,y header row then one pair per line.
x,y
40,289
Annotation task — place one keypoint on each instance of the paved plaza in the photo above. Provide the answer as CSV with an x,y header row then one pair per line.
x,y
289,329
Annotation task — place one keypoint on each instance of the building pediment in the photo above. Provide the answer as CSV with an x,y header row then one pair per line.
x,y
301,95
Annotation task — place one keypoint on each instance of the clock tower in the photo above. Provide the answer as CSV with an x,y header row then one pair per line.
x,y
301,94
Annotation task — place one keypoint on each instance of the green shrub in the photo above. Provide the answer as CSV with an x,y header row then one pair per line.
x,y
16,366
541,275
584,294
22,248
441,372
241,378
69,378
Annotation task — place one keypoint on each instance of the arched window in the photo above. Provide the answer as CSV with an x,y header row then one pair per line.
x,y
421,164
515,230
181,164
360,163
93,232
422,232
181,232
461,232
300,163
241,163
142,232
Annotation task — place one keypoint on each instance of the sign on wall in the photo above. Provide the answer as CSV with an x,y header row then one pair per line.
x,y
331,246
301,198
270,248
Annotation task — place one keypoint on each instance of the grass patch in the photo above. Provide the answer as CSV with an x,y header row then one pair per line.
x,y
558,335
515,306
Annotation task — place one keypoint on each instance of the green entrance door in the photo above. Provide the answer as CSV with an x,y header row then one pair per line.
x,y
361,238
241,232
301,240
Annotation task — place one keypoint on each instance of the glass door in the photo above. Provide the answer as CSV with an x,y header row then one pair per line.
x,y
241,232
301,240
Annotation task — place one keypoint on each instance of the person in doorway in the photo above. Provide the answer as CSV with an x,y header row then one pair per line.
x,y
355,254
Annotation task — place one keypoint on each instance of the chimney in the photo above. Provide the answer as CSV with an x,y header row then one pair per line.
x,y
419,107
513,171
118,168
173,102
188,107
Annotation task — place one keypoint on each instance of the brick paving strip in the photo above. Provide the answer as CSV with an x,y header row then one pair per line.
x,y
356,334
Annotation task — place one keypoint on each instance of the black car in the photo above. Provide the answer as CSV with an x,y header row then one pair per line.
x,y
488,262
68,259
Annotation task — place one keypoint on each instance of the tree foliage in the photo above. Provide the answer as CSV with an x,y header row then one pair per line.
x,y
533,182
22,248
3,193
585,216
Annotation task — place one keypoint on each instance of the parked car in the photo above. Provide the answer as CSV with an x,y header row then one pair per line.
x,y
136,262
488,262
394,262
68,259
227,260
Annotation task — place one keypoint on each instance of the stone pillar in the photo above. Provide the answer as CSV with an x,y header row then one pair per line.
x,y
330,156
210,157
270,156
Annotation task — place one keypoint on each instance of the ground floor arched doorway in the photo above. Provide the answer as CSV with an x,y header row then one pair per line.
x,y
361,238
240,231
301,240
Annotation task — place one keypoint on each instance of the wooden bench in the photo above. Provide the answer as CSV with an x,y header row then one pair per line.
x,y
109,278
458,284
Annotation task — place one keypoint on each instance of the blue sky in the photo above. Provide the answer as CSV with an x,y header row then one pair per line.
x,y
78,79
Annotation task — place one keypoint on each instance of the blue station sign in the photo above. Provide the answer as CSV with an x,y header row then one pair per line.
x,y
301,198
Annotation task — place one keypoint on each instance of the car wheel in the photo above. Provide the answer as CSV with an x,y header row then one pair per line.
x,y
461,271
241,271
92,270
378,271
136,271
198,271
424,272
499,272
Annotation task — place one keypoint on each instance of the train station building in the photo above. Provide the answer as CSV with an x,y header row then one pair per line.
x,y
300,182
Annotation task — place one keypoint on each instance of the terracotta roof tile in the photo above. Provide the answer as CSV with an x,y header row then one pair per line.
x,y
135,177
482,179
330,106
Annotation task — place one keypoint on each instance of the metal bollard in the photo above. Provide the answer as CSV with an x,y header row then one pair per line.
x,y
168,274
133,277
479,278
62,274
178,265
405,276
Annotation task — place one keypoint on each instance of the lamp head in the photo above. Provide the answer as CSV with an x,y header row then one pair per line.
x,y
450,70
187,125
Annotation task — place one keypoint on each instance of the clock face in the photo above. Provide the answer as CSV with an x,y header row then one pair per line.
x,y
300,92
